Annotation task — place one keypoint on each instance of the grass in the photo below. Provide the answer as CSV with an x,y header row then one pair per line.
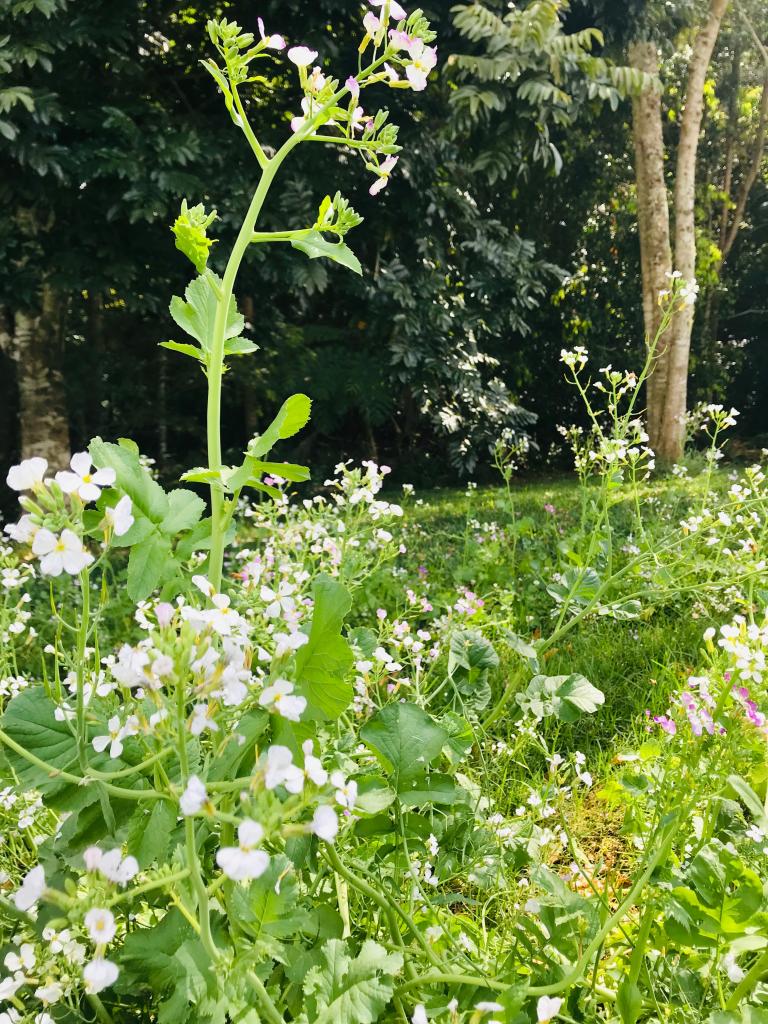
x,y
637,664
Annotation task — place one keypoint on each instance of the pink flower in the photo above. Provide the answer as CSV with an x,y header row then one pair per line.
x,y
384,172
400,40
371,23
354,87
271,42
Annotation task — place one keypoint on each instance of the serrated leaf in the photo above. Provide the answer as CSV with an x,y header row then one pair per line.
x,y
567,697
347,991
269,905
315,246
293,416
197,315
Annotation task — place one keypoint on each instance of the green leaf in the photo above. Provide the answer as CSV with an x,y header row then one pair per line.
x,y
286,470
405,739
149,833
149,564
749,798
185,350
168,960
373,796
567,697
315,246
131,478
324,661
30,721
293,416
347,991
239,347
269,906
197,315
470,659
629,1001
184,512
435,788
239,745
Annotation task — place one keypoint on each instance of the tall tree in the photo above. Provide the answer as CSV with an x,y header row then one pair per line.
x,y
668,386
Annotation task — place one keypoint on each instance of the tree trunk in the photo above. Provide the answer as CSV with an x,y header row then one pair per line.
x,y
653,221
35,347
671,439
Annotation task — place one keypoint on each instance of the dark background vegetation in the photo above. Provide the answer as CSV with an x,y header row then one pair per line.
x,y
481,261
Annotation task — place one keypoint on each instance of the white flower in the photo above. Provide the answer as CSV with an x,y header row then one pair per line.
x,y
384,171
372,24
120,518
279,697
31,889
129,668
23,531
82,481
547,1008
24,960
243,862
28,473
346,790
301,56
112,865
99,974
201,720
325,823
488,1007
113,739
49,993
732,969
395,10
279,600
194,797
224,619
280,770
60,554
289,642
423,60
419,1015
313,766
204,585
100,924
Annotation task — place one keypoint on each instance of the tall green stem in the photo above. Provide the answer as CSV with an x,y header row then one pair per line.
x,y
216,370
82,640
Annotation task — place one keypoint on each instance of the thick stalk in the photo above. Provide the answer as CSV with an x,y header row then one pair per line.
x,y
216,369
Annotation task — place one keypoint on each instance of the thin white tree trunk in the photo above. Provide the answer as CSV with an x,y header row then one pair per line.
x,y
669,446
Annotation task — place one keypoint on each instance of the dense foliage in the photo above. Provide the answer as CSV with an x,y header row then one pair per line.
x,y
279,755
480,261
